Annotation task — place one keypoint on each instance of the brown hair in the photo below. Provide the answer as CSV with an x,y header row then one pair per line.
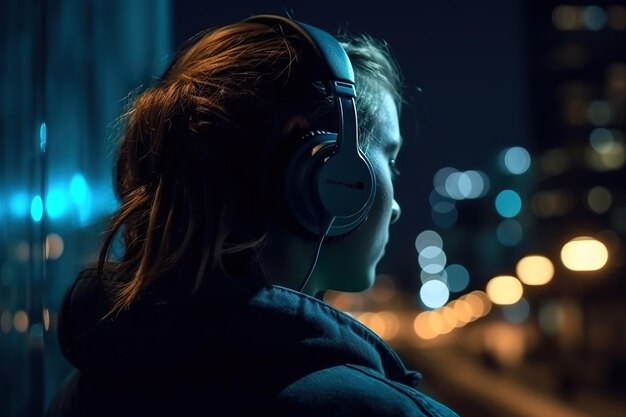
x,y
193,145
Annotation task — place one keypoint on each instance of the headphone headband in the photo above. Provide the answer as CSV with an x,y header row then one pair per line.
x,y
324,44
329,177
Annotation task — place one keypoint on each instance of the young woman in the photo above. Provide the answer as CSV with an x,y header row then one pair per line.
x,y
255,174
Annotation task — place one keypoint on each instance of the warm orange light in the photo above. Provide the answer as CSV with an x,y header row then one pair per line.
x,y
463,311
46,319
383,290
392,324
385,323
449,317
422,327
436,323
584,253
487,304
504,290
475,304
535,270
507,343
54,246
20,321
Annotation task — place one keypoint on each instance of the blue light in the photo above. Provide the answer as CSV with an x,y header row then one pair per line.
x,y
434,294
516,160
56,204
43,137
508,203
79,189
595,17
458,277
19,204
36,209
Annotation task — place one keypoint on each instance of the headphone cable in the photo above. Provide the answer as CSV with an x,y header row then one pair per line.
x,y
326,225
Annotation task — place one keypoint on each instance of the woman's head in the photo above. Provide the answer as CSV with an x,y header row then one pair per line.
x,y
200,157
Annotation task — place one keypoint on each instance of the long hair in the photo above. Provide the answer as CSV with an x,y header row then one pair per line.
x,y
195,146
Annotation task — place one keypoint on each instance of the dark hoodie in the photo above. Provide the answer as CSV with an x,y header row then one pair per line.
x,y
229,352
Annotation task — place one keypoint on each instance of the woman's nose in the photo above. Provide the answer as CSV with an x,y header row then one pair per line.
x,y
395,211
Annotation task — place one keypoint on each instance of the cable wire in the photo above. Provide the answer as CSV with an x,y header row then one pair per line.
x,y
326,225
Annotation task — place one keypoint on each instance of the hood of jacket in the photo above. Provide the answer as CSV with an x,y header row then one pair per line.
x,y
267,337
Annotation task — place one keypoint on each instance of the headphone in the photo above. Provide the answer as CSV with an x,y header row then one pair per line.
x,y
329,184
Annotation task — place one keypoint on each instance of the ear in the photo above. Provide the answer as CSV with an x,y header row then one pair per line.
x,y
296,125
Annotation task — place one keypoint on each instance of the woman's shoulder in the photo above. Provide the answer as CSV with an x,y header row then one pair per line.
x,y
354,390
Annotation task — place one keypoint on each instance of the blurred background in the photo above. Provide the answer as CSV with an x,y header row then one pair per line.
x,y
503,282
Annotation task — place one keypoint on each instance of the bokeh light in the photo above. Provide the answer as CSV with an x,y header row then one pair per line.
x,y
504,290
43,137
599,199
457,277
449,317
584,253
432,259
463,311
606,158
438,324
428,238
551,203
460,185
508,203
441,276
36,208
385,323
18,204
478,183
79,189
384,288
422,327
434,197
505,342
439,180
600,138
566,17
54,246
515,160
478,303
56,204
535,270
434,294
20,321
456,185
595,17
46,319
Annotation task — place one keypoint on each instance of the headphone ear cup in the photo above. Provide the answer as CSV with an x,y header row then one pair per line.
x,y
319,183
299,188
